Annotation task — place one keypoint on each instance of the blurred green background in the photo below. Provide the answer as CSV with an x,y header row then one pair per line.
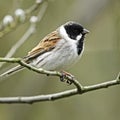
x,y
100,62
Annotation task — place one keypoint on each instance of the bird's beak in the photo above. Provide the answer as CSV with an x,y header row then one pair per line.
x,y
85,31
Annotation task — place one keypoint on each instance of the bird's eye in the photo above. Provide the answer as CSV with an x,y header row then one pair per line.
x,y
77,31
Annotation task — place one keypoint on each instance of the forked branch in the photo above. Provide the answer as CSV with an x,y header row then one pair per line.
x,y
50,97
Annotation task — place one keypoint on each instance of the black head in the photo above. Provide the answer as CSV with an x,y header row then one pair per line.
x,y
74,30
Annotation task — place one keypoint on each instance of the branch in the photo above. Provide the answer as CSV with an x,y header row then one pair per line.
x,y
60,95
20,16
50,97
34,20
42,71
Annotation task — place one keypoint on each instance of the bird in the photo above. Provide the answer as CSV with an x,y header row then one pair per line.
x,y
57,50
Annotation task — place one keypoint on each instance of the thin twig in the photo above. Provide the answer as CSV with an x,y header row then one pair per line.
x,y
27,34
14,48
15,23
50,97
42,11
34,6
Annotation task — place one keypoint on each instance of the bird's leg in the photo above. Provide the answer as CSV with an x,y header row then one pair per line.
x,y
64,77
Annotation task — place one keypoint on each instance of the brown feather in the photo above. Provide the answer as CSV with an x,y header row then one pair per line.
x,y
46,44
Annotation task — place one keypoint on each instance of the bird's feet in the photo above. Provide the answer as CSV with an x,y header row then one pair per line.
x,y
66,77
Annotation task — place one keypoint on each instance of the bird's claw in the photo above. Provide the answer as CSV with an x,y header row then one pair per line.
x,y
64,77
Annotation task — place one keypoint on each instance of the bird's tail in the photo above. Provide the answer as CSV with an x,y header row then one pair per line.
x,y
11,71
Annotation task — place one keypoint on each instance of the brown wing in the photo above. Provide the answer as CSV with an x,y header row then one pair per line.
x,y
46,44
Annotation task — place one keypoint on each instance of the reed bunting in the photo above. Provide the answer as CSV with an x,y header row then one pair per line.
x,y
59,49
